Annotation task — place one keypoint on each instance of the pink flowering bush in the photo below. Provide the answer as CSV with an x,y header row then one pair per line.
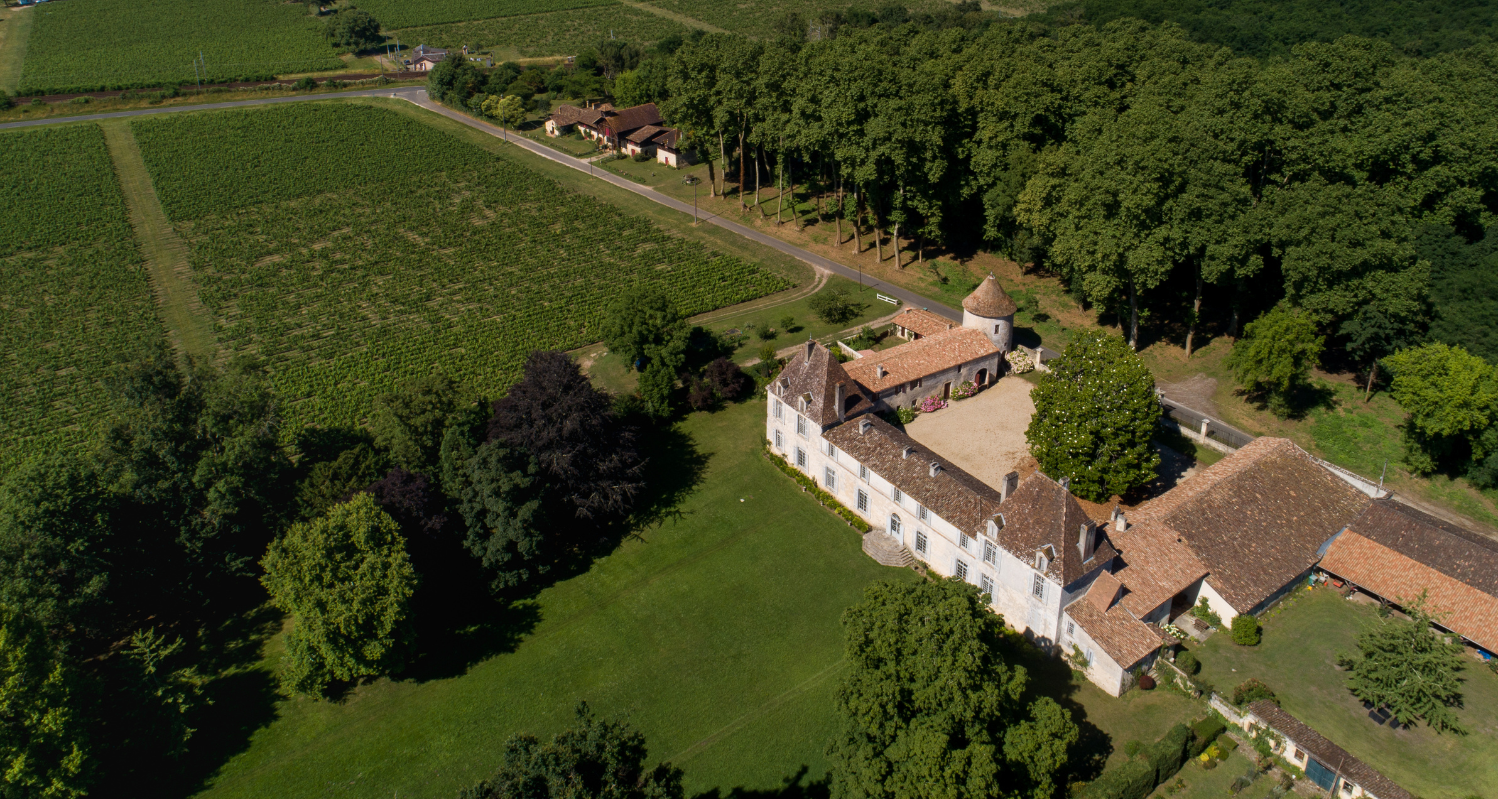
x,y
931,403
965,390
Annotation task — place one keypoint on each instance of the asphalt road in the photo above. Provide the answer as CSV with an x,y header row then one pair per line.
x,y
418,96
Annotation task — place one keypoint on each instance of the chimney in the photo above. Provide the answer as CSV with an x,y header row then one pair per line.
x,y
838,395
1007,486
863,426
935,468
907,453
1120,523
811,346
1066,483
1084,542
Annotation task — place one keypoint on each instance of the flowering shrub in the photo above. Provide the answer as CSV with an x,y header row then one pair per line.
x,y
931,403
1175,631
967,389
905,415
1019,361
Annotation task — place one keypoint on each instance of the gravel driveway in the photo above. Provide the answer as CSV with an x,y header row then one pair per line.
x,y
985,435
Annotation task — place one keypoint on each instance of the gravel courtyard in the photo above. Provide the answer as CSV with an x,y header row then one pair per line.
x,y
985,435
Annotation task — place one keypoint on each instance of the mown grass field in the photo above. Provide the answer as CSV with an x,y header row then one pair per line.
x,y
83,45
1297,659
352,247
716,632
394,14
73,288
565,32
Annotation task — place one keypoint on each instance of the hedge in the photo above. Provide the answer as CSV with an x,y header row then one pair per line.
x,y
1156,763
811,486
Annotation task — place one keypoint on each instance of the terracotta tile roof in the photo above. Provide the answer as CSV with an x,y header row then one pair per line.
x,y
1103,591
1329,754
922,322
628,120
1126,639
965,501
1460,554
1039,514
644,134
925,356
1457,606
813,375
989,300
1155,566
571,115
1257,518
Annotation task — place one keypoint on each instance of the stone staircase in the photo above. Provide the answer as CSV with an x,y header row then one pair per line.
x,y
878,545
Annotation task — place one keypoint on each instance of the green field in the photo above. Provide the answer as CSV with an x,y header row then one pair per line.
x,y
751,19
554,33
394,14
73,287
82,45
353,247
717,633
1298,660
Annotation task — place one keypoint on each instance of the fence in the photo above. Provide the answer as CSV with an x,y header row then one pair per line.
x,y
1202,428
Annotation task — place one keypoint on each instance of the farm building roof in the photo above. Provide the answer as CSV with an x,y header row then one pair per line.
x,y
1258,518
1153,566
927,355
628,120
948,491
1398,553
989,300
571,115
1327,753
813,375
1040,515
922,322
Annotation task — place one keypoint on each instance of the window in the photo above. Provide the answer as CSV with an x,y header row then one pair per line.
x,y
1038,587
1346,787
778,408
801,426
960,570
863,473
1300,754
920,541
962,540
1071,629
829,479
779,442
831,451
894,493
863,501
990,553
985,586
801,457
995,328
920,510
918,382
894,524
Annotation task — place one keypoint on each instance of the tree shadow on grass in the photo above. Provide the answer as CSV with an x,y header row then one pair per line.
x,y
455,636
674,467
1051,676
796,786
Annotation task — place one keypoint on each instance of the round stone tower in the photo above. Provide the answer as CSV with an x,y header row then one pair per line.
x,y
990,310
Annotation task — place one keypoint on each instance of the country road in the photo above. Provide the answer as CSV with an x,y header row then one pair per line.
x,y
418,96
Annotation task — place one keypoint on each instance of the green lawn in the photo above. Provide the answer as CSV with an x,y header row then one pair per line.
x,y
770,311
1196,782
1297,659
716,632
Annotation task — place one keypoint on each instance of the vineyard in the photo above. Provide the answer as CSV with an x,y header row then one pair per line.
x,y
443,257
402,14
73,288
556,33
751,19
84,45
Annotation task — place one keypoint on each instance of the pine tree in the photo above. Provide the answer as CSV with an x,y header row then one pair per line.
x,y
1409,668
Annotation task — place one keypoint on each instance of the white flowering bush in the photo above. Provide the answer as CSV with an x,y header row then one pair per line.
x,y
1019,361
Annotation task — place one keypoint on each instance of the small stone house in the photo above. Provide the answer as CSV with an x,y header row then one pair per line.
x,y
913,323
1330,767
423,58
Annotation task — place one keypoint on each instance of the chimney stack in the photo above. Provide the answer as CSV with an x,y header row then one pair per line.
x,y
811,346
935,468
1120,523
907,453
863,426
880,371
838,395
1066,483
1007,486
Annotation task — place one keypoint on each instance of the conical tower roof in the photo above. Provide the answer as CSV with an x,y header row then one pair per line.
x,y
989,300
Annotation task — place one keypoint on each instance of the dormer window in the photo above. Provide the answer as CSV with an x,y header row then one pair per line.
x,y
1041,561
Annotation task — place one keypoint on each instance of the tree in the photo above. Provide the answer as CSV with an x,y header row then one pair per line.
x,y
55,537
1245,630
454,80
352,30
1095,415
640,324
195,454
1408,668
595,759
931,708
727,380
616,56
157,701
1275,355
410,423
587,455
835,306
1452,401
1371,335
508,110
42,749
501,497
644,84
347,581
331,482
